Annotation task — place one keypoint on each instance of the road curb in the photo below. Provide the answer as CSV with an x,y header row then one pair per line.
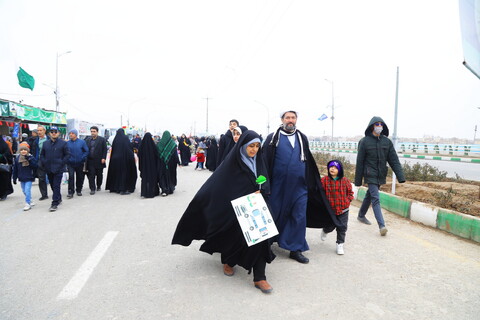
x,y
456,223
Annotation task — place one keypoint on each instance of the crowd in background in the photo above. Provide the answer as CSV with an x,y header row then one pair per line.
x,y
157,157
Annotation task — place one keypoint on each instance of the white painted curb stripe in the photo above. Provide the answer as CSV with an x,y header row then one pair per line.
x,y
423,213
355,191
75,285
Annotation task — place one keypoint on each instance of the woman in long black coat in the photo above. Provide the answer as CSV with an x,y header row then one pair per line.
x,y
148,164
210,215
167,152
122,172
184,147
6,157
212,152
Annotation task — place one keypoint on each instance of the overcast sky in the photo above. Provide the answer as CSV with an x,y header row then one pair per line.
x,y
155,62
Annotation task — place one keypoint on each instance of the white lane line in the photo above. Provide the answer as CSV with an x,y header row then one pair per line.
x,y
75,285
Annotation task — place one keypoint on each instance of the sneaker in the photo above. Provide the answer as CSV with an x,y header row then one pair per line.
x,y
363,220
43,198
92,192
27,207
79,194
53,208
323,236
99,189
164,194
70,196
32,203
340,249
383,231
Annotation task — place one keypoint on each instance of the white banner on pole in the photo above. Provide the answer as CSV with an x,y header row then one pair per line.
x,y
254,218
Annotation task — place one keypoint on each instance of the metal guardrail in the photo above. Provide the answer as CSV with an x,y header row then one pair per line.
x,y
469,150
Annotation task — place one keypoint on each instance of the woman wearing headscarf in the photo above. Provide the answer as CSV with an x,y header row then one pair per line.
x,y
212,152
167,151
236,132
122,172
210,215
184,147
6,157
148,164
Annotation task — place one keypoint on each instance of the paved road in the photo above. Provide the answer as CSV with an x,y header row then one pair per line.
x,y
469,171
109,257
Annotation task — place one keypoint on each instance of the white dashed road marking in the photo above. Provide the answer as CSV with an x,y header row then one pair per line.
x,y
73,288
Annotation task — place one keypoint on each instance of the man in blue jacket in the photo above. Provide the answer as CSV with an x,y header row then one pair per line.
x,y
53,158
78,155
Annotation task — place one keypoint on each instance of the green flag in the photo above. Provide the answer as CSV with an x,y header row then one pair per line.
x,y
25,80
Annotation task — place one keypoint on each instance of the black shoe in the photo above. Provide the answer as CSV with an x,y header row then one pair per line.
x,y
70,195
53,208
92,192
99,189
3,198
43,198
79,194
297,255
124,193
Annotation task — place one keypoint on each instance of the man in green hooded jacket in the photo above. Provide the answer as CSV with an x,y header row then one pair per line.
x,y
374,151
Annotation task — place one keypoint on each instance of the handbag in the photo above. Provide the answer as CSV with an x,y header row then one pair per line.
x,y
5,167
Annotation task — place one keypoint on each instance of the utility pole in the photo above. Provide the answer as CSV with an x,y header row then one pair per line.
x,y
57,94
206,127
268,115
394,137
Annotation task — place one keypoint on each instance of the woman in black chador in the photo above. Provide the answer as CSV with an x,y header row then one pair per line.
x,y
212,152
167,152
148,164
210,215
184,147
122,172
6,157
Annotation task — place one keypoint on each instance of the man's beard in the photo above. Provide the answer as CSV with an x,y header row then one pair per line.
x,y
289,127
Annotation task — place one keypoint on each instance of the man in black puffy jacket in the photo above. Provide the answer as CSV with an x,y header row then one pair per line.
x,y
374,151
53,158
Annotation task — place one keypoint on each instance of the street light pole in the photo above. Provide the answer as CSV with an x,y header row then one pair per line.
x,y
57,96
268,115
128,114
206,127
333,105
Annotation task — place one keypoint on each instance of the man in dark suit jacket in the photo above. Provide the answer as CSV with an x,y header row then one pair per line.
x,y
97,158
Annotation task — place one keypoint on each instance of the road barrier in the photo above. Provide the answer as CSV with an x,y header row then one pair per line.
x,y
457,223
408,148
400,155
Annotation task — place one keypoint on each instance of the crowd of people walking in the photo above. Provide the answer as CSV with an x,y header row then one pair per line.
x,y
291,184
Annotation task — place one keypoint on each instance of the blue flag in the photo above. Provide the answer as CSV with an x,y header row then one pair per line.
x,y
323,117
